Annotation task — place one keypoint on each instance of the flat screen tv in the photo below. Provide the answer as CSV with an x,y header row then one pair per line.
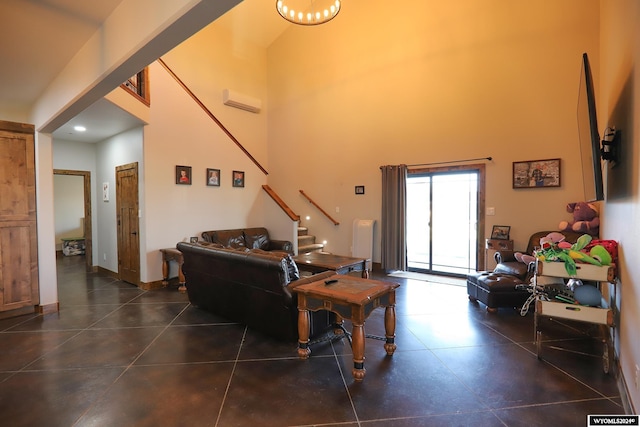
x,y
589,136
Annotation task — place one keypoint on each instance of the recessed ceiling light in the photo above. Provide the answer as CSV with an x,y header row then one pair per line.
x,y
79,128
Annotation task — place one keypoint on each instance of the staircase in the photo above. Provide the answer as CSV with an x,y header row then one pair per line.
x,y
307,243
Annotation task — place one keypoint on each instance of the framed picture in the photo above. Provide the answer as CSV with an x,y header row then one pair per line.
x,y
536,173
238,179
500,232
193,239
183,175
359,189
213,177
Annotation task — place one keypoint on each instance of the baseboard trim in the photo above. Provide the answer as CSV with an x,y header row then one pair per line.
x,y
48,308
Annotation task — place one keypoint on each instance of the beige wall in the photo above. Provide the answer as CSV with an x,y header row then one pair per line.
x,y
619,106
439,81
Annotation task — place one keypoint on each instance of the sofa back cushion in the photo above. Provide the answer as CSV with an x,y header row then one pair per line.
x,y
256,238
227,238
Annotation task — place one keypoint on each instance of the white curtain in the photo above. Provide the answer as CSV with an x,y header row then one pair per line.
x,y
393,218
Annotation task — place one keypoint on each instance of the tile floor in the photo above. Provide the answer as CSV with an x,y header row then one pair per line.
x,y
118,356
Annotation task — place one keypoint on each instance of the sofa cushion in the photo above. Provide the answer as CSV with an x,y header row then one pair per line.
x,y
230,238
256,238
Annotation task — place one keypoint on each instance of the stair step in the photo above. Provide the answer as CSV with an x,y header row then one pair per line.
x,y
302,231
306,240
314,247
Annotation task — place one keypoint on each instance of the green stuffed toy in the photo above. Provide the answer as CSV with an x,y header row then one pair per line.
x,y
562,251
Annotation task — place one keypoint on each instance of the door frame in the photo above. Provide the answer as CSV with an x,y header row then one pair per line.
x,y
88,227
480,169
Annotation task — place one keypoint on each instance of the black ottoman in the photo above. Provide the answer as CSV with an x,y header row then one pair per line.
x,y
496,290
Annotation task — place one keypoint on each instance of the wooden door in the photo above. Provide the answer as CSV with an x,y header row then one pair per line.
x,y
18,238
128,224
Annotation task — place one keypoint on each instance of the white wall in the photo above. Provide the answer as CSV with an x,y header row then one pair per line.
x,y
619,105
119,150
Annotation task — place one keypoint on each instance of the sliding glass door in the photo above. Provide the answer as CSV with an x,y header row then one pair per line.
x,y
442,221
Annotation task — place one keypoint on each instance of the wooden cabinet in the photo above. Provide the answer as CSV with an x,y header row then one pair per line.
x,y
18,240
492,246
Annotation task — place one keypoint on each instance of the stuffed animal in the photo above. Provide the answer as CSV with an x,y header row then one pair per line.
x,y
585,219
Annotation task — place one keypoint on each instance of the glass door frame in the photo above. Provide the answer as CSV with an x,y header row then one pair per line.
x,y
480,229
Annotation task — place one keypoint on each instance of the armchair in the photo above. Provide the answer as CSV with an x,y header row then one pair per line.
x,y
498,288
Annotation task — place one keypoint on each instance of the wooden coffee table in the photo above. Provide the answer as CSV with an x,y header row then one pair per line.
x,y
317,262
351,298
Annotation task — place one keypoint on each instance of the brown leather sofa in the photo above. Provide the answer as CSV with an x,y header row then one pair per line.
x,y
252,238
249,286
500,287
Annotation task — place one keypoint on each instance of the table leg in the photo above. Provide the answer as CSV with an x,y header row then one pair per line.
x,y
181,280
165,270
357,347
303,334
390,329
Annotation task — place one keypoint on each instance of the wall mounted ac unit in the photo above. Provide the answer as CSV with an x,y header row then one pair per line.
x,y
238,100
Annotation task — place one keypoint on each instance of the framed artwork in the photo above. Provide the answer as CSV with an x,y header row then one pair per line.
x,y
213,177
536,173
183,175
238,179
359,189
500,232
193,239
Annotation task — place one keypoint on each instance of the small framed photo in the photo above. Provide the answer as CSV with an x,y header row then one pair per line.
x,y
536,173
500,232
238,179
183,175
193,239
213,177
359,189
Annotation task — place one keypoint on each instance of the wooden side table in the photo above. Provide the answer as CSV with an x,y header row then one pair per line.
x,y
351,298
172,254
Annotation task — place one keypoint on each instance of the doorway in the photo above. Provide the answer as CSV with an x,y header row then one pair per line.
x,y
445,220
87,224
127,215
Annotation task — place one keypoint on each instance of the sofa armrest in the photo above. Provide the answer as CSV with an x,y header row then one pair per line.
x,y
281,245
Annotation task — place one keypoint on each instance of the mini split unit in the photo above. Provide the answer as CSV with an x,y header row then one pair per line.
x,y
238,100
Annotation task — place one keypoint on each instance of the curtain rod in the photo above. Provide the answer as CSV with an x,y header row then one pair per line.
x,y
452,161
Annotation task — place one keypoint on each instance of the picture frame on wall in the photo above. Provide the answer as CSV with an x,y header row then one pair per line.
x,y
238,178
213,177
500,232
183,175
359,189
536,173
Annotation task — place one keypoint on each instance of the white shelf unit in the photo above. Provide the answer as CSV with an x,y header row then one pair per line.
x,y
603,315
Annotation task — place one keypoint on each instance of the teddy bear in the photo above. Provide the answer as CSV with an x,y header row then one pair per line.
x,y
585,219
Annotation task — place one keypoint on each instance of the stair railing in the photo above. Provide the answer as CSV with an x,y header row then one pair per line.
x,y
211,116
319,208
281,203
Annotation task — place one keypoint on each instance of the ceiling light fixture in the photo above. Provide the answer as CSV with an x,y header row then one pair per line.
x,y
79,128
308,12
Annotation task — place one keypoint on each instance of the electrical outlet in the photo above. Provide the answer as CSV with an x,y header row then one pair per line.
x,y
104,256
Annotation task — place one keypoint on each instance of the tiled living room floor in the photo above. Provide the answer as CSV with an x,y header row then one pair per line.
x,y
118,356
